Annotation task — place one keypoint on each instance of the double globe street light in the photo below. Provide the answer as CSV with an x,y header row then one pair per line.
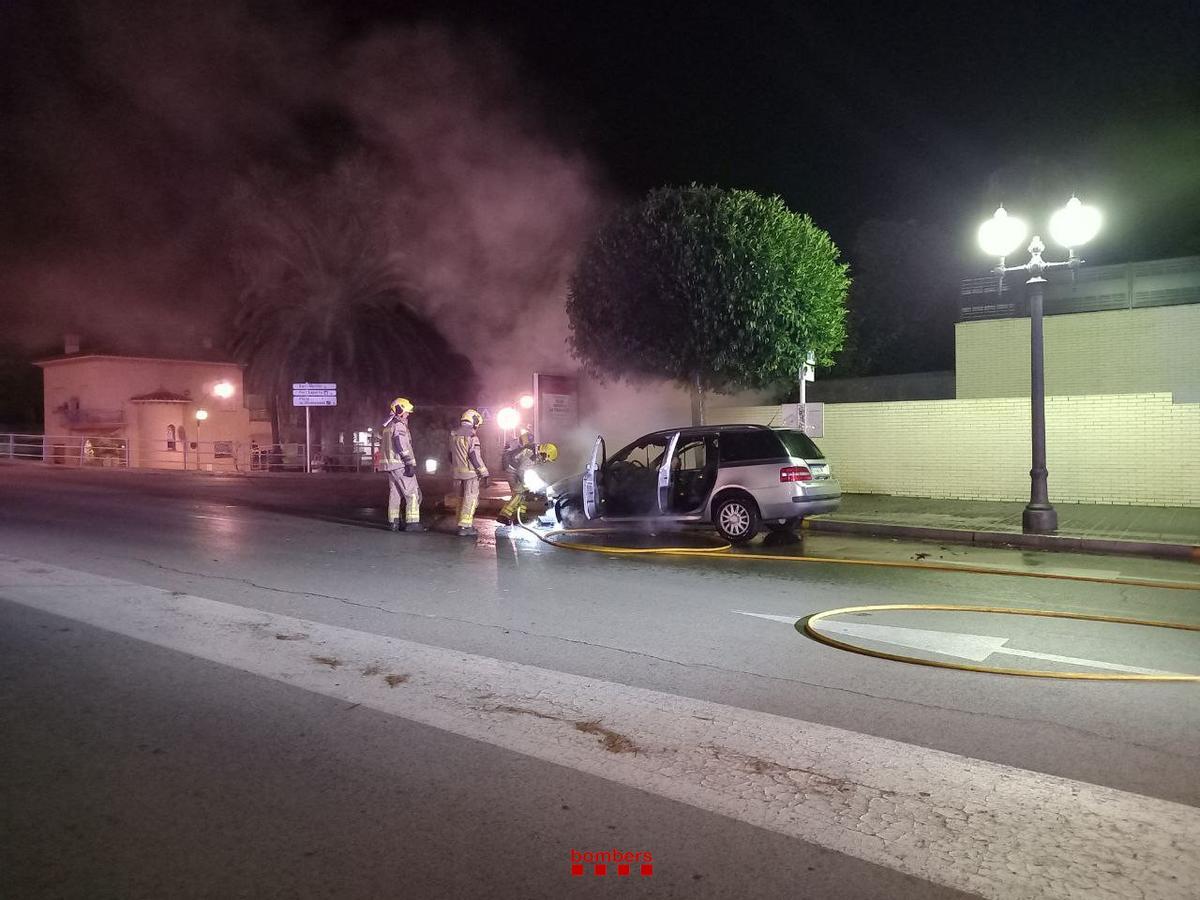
x,y
1072,226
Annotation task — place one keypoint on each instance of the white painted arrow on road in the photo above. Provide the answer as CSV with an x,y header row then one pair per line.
x,y
973,647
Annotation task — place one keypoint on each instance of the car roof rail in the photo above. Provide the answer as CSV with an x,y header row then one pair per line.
x,y
690,429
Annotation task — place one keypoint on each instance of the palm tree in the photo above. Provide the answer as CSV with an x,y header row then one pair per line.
x,y
324,298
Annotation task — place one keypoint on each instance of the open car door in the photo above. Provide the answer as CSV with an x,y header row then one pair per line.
x,y
664,475
593,481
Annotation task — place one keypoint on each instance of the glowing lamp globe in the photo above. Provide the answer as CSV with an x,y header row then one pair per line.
x,y
223,389
526,401
201,415
1001,234
507,418
1075,224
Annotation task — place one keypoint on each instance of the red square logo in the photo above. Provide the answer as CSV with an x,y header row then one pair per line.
x,y
577,869
623,869
647,869
601,869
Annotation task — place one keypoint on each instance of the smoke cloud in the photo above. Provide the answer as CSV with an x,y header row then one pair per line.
x,y
137,126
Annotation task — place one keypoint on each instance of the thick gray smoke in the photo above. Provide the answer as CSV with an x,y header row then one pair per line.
x,y
143,132
138,142
491,214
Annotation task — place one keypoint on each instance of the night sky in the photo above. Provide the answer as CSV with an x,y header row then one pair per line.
x,y
934,112
120,149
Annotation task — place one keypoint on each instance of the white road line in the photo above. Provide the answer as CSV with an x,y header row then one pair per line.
x,y
1086,663
993,830
974,647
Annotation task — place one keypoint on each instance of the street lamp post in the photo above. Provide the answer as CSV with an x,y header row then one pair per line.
x,y
201,415
1072,226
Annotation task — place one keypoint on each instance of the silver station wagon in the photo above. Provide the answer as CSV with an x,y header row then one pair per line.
x,y
739,478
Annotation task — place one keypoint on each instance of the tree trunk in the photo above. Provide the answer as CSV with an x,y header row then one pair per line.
x,y
273,397
697,387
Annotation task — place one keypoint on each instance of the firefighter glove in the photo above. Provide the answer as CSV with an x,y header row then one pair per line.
x,y
409,470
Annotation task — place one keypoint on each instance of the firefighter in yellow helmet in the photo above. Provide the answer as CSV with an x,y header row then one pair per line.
x,y
468,470
398,460
523,459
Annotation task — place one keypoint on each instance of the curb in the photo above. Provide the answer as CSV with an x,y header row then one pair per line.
x,y
1058,542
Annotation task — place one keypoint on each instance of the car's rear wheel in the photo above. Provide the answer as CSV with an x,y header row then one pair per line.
x,y
737,519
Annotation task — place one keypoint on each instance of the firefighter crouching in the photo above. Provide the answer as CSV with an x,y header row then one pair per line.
x,y
469,472
508,459
398,460
523,458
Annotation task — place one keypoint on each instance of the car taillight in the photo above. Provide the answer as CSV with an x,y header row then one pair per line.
x,y
795,473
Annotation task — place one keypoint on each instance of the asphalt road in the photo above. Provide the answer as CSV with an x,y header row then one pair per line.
x,y
148,766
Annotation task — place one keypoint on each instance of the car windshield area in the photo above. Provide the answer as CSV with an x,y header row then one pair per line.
x,y
631,477
799,444
646,453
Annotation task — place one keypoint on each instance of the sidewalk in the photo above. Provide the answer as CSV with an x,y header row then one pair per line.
x,y
1172,532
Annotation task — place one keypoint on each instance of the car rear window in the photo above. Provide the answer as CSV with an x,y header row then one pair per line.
x,y
742,446
799,444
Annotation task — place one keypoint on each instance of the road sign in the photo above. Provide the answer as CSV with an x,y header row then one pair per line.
x,y
314,401
308,394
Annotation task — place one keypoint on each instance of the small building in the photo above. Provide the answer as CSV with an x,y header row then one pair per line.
x,y
151,412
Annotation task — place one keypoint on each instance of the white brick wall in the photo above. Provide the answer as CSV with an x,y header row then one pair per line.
x,y
1115,448
1115,352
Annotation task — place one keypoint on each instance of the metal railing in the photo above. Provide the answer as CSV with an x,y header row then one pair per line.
x,y
1159,282
77,451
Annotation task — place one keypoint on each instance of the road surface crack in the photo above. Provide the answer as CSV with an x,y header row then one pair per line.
x,y
261,587
612,741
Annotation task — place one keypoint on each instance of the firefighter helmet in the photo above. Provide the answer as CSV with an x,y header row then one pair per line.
x,y
472,416
549,451
401,403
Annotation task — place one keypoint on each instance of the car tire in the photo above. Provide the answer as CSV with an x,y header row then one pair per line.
x,y
737,519
570,512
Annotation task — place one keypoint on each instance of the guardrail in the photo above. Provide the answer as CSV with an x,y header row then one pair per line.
x,y
66,450
76,451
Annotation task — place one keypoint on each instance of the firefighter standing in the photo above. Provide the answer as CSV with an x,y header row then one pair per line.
x,y
469,472
521,459
398,460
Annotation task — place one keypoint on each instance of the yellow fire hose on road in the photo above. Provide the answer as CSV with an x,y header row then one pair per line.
x,y
818,635
721,551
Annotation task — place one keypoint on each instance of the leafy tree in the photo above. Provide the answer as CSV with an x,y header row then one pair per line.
x,y
323,298
718,289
